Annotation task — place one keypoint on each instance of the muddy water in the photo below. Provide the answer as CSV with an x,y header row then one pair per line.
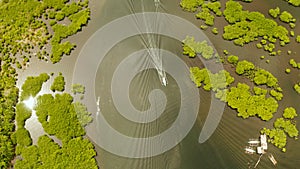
x,y
224,149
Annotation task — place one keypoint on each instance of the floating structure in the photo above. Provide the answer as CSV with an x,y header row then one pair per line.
x,y
263,142
261,148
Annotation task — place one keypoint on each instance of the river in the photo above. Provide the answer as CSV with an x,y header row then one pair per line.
x,y
224,148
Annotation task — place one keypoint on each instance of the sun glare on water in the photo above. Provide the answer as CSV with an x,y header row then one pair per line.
x,y
30,103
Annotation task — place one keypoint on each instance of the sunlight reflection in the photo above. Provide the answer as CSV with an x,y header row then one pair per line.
x,y
30,103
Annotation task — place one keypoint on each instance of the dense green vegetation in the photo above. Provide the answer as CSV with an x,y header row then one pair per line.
x,y
25,28
297,87
25,33
240,97
277,95
76,153
22,114
258,75
215,31
249,105
294,64
60,117
298,38
207,12
211,81
8,100
191,5
245,26
52,111
283,126
233,59
274,12
287,17
294,2
192,48
289,113
33,85
247,102
61,32
58,84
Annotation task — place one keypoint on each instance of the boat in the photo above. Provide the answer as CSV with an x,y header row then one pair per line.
x,y
253,142
271,157
249,150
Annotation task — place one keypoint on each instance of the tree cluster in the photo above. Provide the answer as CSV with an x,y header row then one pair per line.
x,y
211,81
297,87
233,59
58,83
287,17
290,113
205,15
25,28
192,48
60,117
294,64
283,127
75,153
206,12
244,67
274,12
52,111
248,105
191,5
294,2
277,95
262,77
78,20
8,100
258,75
33,85
245,26
298,39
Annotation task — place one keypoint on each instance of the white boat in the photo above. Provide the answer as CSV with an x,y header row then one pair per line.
x,y
253,141
249,150
164,81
